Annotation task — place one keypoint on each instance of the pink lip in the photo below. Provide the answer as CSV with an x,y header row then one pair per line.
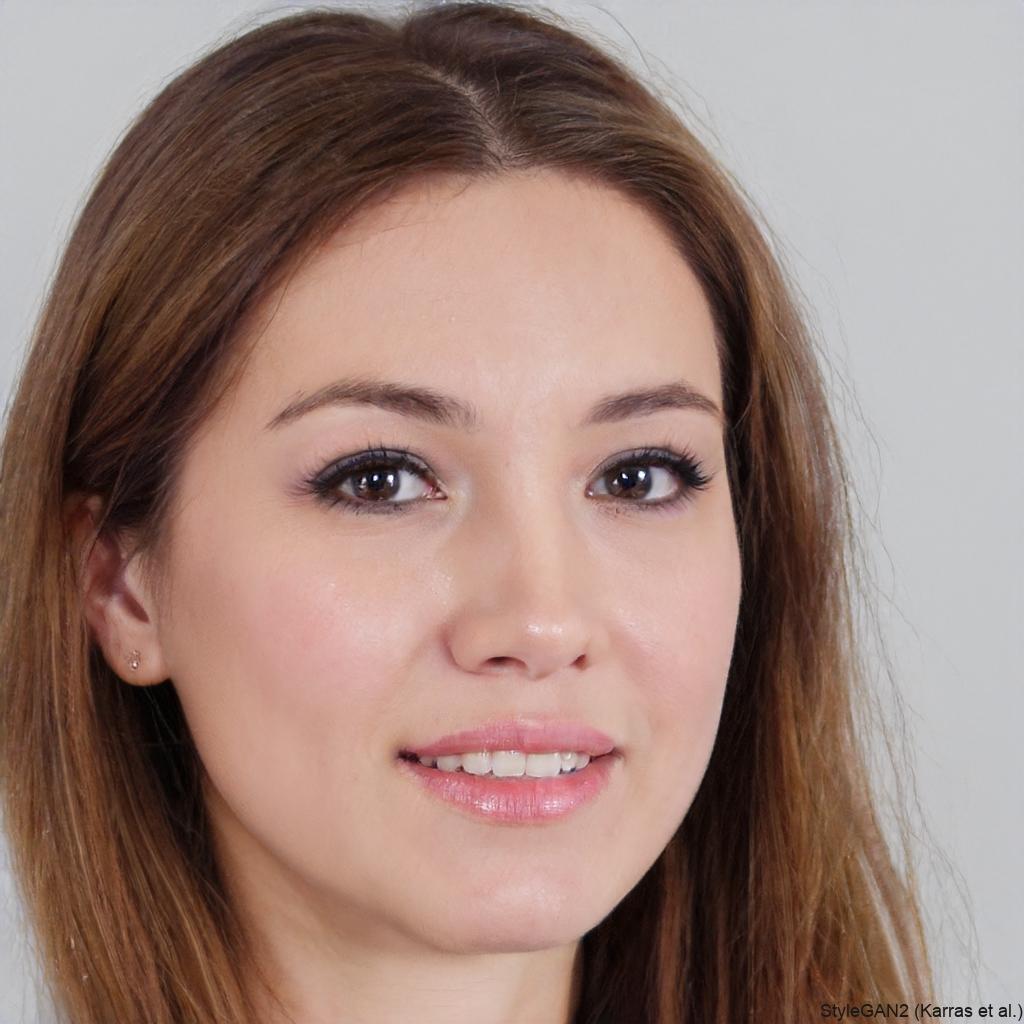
x,y
530,736
515,801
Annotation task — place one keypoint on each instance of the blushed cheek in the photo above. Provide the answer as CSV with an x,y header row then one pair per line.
x,y
285,665
261,644
324,643
692,665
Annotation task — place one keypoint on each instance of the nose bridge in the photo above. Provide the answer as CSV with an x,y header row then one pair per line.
x,y
535,550
527,595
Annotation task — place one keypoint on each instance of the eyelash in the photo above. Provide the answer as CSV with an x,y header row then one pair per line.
x,y
686,466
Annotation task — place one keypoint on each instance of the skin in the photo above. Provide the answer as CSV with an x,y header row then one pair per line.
x,y
309,644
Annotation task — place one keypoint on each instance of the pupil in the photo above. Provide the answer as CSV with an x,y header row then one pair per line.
x,y
376,476
633,475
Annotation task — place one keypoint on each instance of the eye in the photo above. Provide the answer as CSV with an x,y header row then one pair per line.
x,y
376,481
371,481
633,476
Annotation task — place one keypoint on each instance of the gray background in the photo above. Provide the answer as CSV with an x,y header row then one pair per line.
x,y
883,144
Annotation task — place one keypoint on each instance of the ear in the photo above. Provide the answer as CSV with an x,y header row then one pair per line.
x,y
115,599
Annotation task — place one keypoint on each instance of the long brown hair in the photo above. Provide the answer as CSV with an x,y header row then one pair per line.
x,y
779,891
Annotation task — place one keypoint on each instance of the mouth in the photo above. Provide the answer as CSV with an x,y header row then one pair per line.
x,y
525,789
517,735
510,765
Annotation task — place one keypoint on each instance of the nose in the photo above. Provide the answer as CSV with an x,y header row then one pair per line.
x,y
528,597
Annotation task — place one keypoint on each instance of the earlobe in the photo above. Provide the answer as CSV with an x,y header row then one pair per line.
x,y
114,598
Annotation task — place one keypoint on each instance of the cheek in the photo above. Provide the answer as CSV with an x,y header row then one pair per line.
x,y
700,623
285,666
294,628
687,630
282,664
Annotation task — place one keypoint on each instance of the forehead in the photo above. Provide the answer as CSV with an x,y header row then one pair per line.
x,y
533,285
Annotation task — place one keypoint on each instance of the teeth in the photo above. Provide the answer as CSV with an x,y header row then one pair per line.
x,y
510,763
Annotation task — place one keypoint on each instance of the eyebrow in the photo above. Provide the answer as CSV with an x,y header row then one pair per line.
x,y
446,410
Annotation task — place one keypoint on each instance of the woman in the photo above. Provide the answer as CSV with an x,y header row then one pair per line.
x,y
318,493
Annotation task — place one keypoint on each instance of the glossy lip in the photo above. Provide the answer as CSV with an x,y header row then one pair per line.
x,y
515,801
524,734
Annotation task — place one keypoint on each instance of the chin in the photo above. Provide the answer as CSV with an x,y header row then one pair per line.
x,y
516,921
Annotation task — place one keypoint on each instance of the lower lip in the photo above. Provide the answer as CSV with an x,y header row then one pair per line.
x,y
516,800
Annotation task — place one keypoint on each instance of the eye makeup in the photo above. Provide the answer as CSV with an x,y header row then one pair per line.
x,y
376,470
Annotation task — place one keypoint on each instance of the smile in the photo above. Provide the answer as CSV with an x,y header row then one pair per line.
x,y
516,798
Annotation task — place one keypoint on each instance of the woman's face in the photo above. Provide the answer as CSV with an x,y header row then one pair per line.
x,y
310,644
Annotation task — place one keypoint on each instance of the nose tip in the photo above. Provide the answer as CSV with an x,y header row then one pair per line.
x,y
532,611
500,642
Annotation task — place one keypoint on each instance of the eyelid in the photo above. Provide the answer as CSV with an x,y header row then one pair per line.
x,y
367,456
680,460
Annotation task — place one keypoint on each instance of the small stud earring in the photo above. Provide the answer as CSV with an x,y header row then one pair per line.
x,y
135,659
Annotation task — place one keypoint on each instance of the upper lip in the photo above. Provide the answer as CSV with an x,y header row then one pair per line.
x,y
528,735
